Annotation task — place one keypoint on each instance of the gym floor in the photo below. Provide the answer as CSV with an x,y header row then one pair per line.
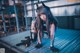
x,y
66,41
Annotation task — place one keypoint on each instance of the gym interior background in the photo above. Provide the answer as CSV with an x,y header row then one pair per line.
x,y
16,17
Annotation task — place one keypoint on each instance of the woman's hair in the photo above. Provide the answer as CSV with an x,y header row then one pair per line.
x,y
49,18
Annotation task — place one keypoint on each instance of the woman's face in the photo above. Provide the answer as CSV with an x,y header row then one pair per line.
x,y
43,17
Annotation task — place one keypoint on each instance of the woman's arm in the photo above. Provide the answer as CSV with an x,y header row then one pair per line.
x,y
52,30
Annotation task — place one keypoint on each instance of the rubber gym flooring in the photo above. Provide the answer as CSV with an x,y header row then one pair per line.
x,y
66,41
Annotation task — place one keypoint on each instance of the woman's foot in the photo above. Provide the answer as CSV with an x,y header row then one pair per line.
x,y
38,45
54,49
33,40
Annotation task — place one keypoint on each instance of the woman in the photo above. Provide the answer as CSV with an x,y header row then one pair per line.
x,y
45,22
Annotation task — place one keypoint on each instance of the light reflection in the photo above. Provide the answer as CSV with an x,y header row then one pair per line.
x,y
13,15
71,10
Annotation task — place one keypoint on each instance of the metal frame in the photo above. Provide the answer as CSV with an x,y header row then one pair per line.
x,y
25,14
17,22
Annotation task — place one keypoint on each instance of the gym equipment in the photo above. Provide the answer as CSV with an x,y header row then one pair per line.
x,y
26,42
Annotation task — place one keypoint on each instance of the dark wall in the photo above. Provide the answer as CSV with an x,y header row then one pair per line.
x,y
69,22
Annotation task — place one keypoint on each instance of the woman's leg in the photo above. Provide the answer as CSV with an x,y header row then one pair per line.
x,y
52,33
33,31
33,36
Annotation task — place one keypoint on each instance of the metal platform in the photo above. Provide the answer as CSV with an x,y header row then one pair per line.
x,y
67,41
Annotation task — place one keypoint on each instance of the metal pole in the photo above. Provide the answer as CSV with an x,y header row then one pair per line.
x,y
33,9
17,22
25,14
3,19
4,24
